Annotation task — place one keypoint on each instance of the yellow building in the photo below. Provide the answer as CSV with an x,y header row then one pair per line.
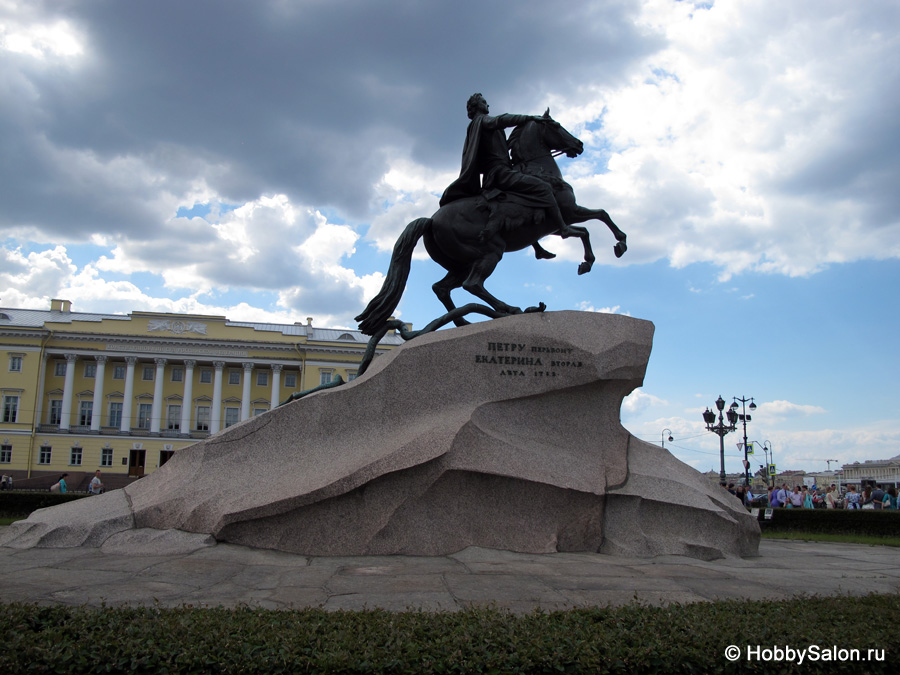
x,y
84,391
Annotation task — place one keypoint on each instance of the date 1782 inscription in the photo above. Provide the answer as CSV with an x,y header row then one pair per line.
x,y
521,360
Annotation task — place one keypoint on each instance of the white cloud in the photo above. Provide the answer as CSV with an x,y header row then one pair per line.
x,y
406,191
40,40
711,143
638,401
586,306
267,244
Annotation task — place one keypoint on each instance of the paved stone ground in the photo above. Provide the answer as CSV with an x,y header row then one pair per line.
x,y
229,576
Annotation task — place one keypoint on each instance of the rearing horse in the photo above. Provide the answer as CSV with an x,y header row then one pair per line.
x,y
458,238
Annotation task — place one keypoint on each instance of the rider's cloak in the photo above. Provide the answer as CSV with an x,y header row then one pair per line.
x,y
495,163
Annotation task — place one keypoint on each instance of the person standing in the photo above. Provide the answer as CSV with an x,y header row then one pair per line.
x,y
60,485
878,498
853,498
807,498
890,499
784,495
96,486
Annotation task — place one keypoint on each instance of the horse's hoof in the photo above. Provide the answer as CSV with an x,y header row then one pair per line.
x,y
540,308
584,268
620,248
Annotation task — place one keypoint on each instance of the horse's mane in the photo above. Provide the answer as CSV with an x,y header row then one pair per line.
x,y
515,139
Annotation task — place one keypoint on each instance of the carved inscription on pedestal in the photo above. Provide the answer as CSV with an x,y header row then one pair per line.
x,y
518,359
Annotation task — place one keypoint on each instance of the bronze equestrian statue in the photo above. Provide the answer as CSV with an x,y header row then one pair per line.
x,y
499,203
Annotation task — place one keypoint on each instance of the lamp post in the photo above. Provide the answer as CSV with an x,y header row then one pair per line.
x,y
770,452
662,437
744,418
720,429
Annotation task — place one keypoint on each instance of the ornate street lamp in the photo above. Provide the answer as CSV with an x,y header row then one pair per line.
x,y
662,436
720,429
744,418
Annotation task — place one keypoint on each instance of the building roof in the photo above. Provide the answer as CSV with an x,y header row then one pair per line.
x,y
37,318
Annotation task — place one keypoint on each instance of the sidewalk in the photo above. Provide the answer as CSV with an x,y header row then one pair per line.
x,y
230,576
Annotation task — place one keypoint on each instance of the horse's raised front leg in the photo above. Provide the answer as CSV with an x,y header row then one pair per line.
x,y
584,235
580,214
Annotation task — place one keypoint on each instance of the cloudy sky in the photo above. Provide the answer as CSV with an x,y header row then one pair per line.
x,y
258,160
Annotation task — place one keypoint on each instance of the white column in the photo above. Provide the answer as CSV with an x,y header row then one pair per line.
x,y
186,402
156,409
65,418
97,412
42,378
129,394
276,385
215,415
245,394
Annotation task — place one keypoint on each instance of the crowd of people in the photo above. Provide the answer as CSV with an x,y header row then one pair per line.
x,y
831,497
803,497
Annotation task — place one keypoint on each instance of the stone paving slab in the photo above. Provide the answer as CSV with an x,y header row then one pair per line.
x,y
232,576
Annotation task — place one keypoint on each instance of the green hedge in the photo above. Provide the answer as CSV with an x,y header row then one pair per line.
x,y
633,639
15,504
833,521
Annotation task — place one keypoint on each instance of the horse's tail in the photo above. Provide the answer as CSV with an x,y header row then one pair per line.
x,y
383,305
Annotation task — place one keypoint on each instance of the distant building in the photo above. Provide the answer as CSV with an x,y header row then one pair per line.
x,y
873,471
83,391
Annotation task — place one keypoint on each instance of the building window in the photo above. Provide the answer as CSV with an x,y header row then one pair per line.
x,y
106,457
144,412
5,454
234,377
262,378
15,364
351,375
290,380
205,376
115,415
10,408
148,373
44,454
202,418
60,369
118,372
75,457
173,417
232,416
177,374
325,376
85,413
259,411
90,370
55,413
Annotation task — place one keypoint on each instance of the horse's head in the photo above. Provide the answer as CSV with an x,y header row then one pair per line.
x,y
536,139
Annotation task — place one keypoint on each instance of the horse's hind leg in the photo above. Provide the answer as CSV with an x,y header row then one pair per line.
x,y
474,283
442,290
